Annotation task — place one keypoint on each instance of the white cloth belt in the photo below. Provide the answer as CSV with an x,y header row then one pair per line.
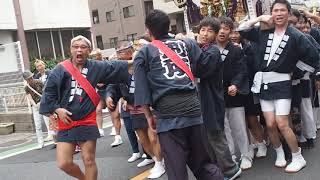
x,y
266,78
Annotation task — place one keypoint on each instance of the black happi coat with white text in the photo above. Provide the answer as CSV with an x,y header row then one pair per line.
x,y
63,91
234,73
210,89
157,76
294,47
305,89
315,33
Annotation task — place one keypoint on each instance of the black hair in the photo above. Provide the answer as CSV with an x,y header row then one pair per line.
x,y
226,21
211,22
285,2
158,23
295,12
303,17
309,22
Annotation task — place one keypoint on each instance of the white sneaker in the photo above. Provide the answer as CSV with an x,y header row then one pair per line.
x,y
48,138
144,155
117,141
246,163
298,162
134,157
157,171
145,162
101,132
281,160
113,132
262,150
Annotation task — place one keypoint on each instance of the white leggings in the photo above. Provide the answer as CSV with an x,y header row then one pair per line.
x,y
279,106
236,130
308,124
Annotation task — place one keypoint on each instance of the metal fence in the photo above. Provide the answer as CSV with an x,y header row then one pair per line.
x,y
12,94
13,99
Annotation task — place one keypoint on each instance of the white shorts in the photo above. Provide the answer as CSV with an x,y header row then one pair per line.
x,y
279,106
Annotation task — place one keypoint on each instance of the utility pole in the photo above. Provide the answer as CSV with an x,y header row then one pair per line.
x,y
21,34
92,30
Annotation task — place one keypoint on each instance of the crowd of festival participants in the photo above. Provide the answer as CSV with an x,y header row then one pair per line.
x,y
213,100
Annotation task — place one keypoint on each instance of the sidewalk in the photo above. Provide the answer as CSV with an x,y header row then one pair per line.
x,y
17,143
15,140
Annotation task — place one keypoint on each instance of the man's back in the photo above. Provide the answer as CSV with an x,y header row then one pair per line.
x,y
163,76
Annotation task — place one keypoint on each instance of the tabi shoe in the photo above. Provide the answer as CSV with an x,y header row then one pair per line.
x,y
134,157
145,162
298,162
246,163
262,150
117,141
157,171
281,160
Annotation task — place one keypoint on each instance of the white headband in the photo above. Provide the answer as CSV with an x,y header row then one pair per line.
x,y
78,38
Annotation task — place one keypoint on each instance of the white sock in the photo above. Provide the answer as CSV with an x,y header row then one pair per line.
x,y
297,155
279,149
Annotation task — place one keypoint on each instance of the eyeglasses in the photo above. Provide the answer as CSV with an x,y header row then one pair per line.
x,y
77,47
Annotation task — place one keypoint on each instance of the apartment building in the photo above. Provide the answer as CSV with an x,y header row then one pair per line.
x,y
46,28
48,25
117,20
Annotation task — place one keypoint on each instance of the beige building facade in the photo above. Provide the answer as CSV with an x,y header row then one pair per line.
x,y
117,20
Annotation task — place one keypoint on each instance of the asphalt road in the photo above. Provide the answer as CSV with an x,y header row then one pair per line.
x,y
112,165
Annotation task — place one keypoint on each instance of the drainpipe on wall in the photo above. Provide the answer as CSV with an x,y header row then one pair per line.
x,y
92,32
21,34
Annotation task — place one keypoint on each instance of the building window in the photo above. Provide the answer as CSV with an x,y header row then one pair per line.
x,y
99,42
95,17
32,44
66,35
114,42
131,37
128,11
110,16
45,44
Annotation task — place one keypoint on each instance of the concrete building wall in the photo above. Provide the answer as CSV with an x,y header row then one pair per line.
x,y
8,58
6,36
119,27
23,122
46,14
7,15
